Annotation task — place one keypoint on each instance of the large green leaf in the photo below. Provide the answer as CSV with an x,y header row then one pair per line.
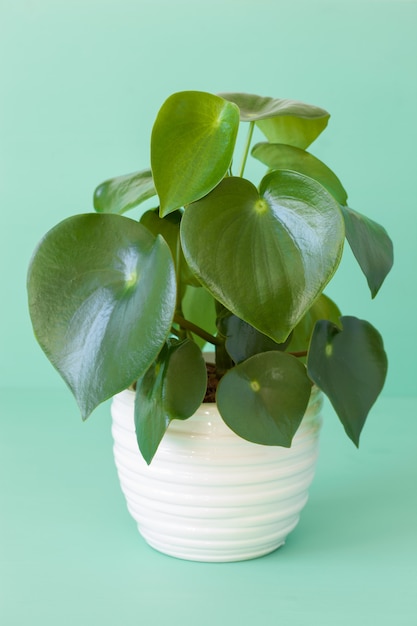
x,y
282,121
102,297
172,388
192,145
282,157
371,246
264,398
349,364
118,195
266,257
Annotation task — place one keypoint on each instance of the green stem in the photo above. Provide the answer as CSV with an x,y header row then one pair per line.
x,y
247,146
299,354
178,319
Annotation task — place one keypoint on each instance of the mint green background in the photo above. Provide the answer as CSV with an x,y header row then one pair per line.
x,y
81,82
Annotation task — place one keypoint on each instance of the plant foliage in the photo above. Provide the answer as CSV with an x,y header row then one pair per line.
x,y
117,302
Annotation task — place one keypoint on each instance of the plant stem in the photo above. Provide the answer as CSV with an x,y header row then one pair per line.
x,y
178,319
299,354
247,146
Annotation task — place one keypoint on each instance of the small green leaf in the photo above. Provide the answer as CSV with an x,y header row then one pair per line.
x,y
123,193
323,309
252,258
281,157
264,398
172,388
243,340
102,296
282,121
192,145
349,364
198,307
169,228
371,246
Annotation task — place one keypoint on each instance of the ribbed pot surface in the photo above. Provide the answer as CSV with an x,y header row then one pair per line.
x,y
209,495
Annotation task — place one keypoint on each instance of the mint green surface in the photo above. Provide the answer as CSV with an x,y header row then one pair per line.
x,y
70,553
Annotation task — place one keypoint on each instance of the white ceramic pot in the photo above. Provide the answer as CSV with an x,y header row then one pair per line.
x,y
208,495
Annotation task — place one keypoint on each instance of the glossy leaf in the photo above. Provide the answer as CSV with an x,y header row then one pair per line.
x,y
102,297
281,157
349,364
243,340
192,145
118,195
252,258
323,309
264,398
282,121
172,388
371,246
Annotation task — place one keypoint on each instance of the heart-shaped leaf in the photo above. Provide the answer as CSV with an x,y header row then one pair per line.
x,y
266,257
172,388
281,157
264,398
123,193
349,364
102,296
371,246
192,145
282,121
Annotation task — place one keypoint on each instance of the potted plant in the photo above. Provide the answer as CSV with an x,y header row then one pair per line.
x,y
127,304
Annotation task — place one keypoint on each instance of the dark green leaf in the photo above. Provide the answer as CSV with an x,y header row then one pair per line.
x,y
243,340
123,193
282,121
349,364
172,388
192,144
281,157
102,297
264,398
252,257
371,246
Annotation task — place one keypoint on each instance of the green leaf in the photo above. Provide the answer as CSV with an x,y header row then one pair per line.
x,y
192,145
264,398
102,296
371,246
198,307
265,257
281,157
172,388
282,121
243,340
323,309
123,193
349,364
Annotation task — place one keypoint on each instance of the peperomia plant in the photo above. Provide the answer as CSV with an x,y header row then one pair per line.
x,y
119,303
